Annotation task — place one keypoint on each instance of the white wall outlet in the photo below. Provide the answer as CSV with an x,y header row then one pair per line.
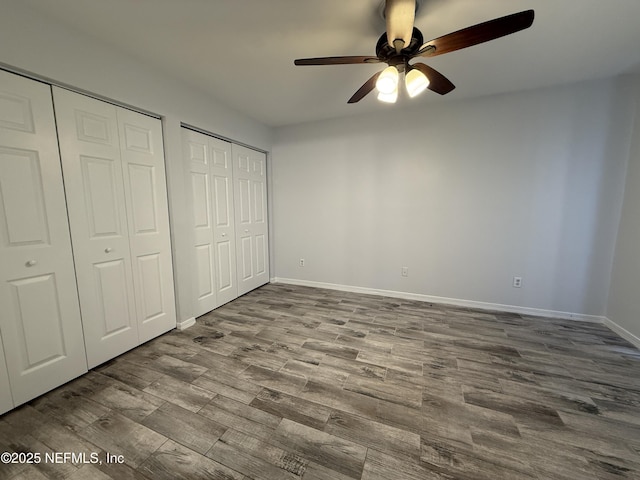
x,y
405,271
301,262
517,282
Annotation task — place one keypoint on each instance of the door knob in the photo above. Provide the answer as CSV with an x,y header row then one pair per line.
x,y
31,263
108,250
224,234
246,231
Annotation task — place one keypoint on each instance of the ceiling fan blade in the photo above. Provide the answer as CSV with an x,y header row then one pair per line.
x,y
365,89
437,82
400,16
335,60
483,32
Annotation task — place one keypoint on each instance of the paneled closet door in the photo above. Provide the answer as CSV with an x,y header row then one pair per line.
x,y
196,152
40,318
148,222
90,147
224,236
250,190
211,171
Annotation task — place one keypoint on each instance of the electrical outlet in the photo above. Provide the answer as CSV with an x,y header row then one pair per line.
x,y
405,271
517,282
302,262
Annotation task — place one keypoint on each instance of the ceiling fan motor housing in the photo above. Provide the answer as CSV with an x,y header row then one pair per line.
x,y
387,53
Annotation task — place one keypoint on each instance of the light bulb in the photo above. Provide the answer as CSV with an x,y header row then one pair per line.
x,y
388,97
388,80
416,82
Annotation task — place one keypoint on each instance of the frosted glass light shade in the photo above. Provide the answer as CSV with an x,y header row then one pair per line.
x,y
416,82
387,82
388,97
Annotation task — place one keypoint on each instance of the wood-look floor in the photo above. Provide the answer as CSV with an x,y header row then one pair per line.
x,y
301,383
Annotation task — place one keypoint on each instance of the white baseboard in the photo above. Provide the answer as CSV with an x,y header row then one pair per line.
x,y
538,312
623,332
186,323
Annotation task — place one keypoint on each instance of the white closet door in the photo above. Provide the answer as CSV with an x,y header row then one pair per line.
x,y
90,148
223,221
40,317
196,151
148,221
250,191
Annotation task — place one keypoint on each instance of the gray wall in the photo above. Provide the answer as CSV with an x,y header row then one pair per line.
x,y
466,194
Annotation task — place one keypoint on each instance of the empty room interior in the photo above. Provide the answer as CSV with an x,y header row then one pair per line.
x,y
376,240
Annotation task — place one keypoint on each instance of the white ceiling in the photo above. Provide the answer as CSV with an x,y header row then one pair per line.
x,y
242,51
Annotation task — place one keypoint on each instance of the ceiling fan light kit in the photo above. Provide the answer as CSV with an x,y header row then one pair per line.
x,y
416,82
388,83
388,80
391,97
403,42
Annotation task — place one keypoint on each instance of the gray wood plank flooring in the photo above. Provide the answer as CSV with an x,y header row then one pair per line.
x,y
292,382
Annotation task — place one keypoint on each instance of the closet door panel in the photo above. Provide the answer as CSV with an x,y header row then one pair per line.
x,y
250,186
259,214
40,317
223,221
6,400
204,279
244,203
245,260
226,272
94,182
261,261
196,152
148,222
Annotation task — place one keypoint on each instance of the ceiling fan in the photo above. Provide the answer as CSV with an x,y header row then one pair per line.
x,y
403,41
